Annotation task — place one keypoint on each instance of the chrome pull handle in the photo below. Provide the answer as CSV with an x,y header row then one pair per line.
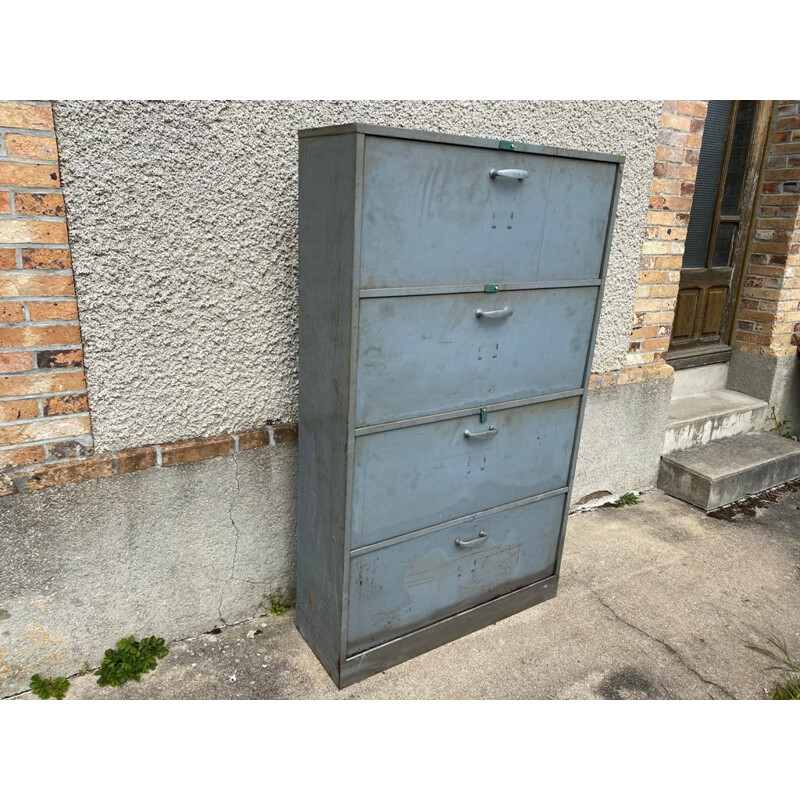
x,y
468,434
519,174
472,542
500,313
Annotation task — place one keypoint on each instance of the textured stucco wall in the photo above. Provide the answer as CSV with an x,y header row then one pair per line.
x,y
622,438
183,226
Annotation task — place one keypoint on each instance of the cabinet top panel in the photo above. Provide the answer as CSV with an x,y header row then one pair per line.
x,y
464,141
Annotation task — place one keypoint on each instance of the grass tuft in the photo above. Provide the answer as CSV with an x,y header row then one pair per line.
x,y
782,661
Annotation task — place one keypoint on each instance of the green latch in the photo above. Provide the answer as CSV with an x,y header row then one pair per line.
x,y
507,145
491,288
484,415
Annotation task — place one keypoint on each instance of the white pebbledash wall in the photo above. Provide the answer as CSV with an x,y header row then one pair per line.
x,y
183,227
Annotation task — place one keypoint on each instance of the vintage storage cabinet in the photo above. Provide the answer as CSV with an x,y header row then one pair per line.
x,y
449,294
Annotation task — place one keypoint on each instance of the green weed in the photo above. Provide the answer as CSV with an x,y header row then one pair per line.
x,y
779,654
130,660
280,602
780,425
49,687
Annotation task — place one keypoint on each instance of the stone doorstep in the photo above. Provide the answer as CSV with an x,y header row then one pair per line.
x,y
712,475
702,418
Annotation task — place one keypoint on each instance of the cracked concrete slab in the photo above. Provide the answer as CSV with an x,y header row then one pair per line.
x,y
656,601
174,551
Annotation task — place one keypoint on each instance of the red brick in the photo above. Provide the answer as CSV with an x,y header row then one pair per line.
x,y
767,247
697,125
692,157
72,448
195,450
43,429
40,205
652,277
42,148
13,410
59,359
5,203
11,312
32,231
787,124
655,344
52,475
135,459
40,335
693,108
65,404
678,203
259,437
61,310
694,142
36,176
665,153
782,174
647,332
42,383
665,186
21,115
8,258
46,259
21,456
15,362
674,122
285,432
672,138
36,285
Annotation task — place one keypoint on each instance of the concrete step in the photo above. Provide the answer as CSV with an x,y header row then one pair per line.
x,y
698,380
721,472
702,418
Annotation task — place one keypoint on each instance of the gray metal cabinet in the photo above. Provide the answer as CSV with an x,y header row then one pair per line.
x,y
449,295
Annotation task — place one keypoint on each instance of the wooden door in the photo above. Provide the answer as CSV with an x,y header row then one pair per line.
x,y
719,226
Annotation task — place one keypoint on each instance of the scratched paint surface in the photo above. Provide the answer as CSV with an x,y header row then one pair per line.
x,y
470,228
410,478
438,341
401,587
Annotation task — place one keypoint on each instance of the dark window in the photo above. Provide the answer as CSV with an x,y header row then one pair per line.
x,y
716,208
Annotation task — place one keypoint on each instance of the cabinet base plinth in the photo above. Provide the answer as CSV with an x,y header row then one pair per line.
x,y
378,659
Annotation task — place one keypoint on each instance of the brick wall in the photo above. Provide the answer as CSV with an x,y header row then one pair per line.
x,y
666,223
769,313
44,413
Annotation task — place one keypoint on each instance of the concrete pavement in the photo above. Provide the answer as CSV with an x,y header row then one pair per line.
x,y
656,601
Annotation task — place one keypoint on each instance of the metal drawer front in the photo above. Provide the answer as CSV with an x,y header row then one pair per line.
x,y
404,586
432,353
410,478
470,228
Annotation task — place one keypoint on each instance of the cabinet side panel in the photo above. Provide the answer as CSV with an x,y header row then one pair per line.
x,y
327,212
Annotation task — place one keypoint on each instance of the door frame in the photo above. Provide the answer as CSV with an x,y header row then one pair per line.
x,y
716,352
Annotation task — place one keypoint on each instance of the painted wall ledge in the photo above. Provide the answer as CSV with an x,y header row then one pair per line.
x,y
105,465
632,374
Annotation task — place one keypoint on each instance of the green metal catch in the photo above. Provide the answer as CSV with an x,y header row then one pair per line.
x,y
491,288
507,145
484,415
